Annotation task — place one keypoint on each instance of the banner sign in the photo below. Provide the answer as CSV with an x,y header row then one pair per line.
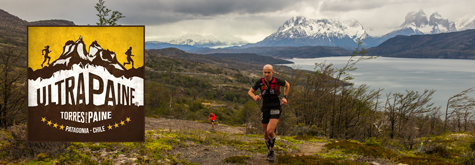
x,y
86,83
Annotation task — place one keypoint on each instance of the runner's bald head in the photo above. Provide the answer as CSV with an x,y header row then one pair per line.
x,y
268,66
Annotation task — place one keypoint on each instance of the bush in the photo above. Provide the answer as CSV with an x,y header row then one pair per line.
x,y
469,158
307,159
372,141
315,131
438,150
350,147
472,145
41,156
421,161
16,145
236,159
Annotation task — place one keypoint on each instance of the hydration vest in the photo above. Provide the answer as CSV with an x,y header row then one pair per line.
x,y
272,90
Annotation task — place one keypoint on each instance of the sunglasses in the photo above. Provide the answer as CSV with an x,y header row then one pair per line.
x,y
268,72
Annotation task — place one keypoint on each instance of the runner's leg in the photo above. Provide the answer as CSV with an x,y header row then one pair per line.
x,y
266,137
270,132
271,127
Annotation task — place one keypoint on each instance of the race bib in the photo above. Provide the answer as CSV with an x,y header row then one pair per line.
x,y
274,112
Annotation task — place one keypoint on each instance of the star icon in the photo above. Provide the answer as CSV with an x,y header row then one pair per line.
x,y
116,125
61,127
43,119
110,127
49,122
55,125
122,122
127,119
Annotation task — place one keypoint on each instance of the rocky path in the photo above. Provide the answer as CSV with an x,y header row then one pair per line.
x,y
210,154
175,124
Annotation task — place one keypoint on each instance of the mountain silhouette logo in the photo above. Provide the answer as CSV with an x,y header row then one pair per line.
x,y
86,80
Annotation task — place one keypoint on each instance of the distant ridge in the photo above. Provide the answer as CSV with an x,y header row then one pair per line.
x,y
13,29
455,45
285,52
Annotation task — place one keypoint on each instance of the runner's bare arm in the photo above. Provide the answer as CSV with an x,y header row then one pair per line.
x,y
286,92
253,96
287,88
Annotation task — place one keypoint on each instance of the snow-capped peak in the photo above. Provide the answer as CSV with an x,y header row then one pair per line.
x,y
301,27
418,22
441,25
465,22
207,40
415,20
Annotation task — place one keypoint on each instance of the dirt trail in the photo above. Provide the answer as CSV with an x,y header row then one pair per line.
x,y
310,148
212,155
176,124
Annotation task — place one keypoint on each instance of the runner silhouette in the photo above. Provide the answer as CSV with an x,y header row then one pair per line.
x,y
45,52
129,57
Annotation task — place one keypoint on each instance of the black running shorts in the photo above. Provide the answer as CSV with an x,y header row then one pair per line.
x,y
268,113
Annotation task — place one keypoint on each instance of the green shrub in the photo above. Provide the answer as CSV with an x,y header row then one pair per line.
x,y
96,147
41,157
351,147
472,145
372,141
421,161
438,150
291,140
16,145
288,159
236,159
468,159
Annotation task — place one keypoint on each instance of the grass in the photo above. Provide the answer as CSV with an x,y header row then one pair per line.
x,y
447,149
291,140
237,159
287,159
310,138
354,147
421,161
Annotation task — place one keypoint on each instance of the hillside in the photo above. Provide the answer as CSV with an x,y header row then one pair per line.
x,y
250,58
455,45
236,61
13,30
171,141
284,52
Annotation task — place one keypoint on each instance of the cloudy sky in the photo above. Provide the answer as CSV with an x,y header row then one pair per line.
x,y
251,20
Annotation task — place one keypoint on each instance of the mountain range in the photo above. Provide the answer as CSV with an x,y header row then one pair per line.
x,y
208,40
195,41
455,45
302,31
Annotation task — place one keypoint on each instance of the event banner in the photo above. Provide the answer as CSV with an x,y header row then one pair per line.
x,y
86,83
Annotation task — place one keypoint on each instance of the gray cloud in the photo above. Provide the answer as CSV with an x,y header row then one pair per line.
x,y
350,5
251,19
166,11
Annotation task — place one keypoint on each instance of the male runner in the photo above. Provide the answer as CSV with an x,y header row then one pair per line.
x,y
271,107
211,118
